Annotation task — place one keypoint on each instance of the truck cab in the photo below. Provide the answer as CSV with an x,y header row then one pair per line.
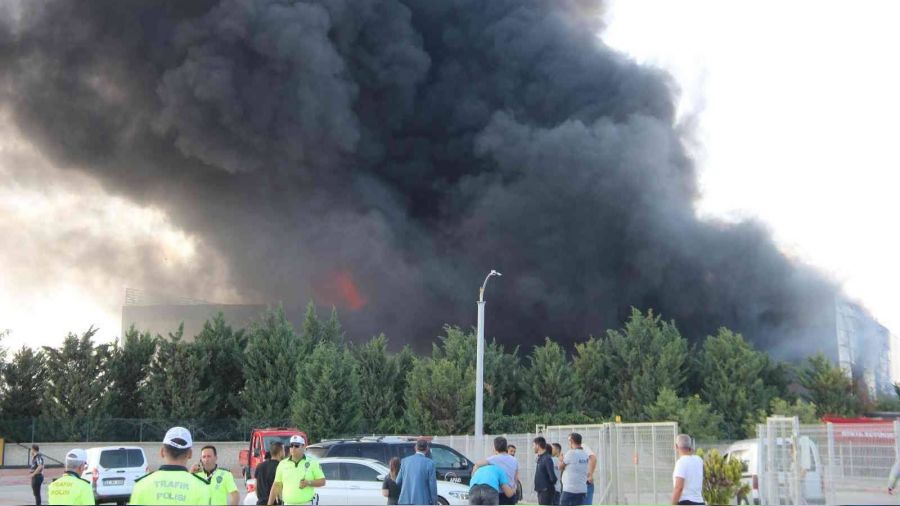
x,y
260,439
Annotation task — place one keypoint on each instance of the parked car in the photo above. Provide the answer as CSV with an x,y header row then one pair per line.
x,y
260,439
358,481
112,471
812,489
450,465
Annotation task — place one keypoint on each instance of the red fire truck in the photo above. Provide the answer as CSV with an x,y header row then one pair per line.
x,y
260,439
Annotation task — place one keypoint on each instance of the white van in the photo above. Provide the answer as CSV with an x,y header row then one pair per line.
x,y
112,471
810,462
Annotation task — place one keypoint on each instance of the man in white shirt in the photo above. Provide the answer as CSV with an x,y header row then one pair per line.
x,y
688,473
574,470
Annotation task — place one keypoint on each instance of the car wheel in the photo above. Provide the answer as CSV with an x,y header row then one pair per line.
x,y
443,501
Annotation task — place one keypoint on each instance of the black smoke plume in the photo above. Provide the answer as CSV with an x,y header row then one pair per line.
x,y
383,155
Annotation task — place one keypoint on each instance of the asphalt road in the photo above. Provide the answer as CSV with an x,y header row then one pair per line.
x,y
15,487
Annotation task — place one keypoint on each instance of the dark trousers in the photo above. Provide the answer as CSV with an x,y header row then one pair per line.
x,y
510,500
483,494
570,499
546,496
690,502
36,482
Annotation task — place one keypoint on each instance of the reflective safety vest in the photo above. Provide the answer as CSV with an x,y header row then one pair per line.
x,y
290,474
71,489
170,485
221,483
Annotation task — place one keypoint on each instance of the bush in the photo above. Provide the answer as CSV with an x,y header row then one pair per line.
x,y
721,478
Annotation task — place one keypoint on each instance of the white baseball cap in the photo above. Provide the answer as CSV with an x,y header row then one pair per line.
x,y
298,439
76,455
178,437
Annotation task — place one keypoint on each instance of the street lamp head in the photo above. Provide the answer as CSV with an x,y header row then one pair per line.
x,y
481,292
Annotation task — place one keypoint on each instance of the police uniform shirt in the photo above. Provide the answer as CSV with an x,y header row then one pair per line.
x,y
221,483
290,474
71,489
171,485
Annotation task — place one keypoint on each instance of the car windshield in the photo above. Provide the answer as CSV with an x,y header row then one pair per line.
x,y
285,440
316,451
121,457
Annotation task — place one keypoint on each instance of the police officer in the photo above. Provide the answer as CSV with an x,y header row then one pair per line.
x,y
172,483
297,477
70,488
222,489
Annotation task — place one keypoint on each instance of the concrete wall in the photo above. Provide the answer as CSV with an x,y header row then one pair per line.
x,y
14,455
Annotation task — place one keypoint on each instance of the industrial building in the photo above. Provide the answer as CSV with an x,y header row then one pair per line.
x,y
162,314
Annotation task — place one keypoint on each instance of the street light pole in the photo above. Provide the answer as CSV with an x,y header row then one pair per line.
x,y
479,361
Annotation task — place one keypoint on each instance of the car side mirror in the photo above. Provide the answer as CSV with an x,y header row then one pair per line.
x,y
380,477
463,463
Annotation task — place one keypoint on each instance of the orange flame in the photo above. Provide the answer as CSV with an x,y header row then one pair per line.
x,y
348,291
338,289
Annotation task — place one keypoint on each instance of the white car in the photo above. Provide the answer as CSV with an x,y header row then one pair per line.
x,y
810,467
358,481
112,471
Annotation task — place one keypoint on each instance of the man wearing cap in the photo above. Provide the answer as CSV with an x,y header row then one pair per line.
x,y
222,489
417,478
297,477
70,488
172,483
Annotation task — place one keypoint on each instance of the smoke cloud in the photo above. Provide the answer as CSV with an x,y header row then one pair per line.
x,y
383,155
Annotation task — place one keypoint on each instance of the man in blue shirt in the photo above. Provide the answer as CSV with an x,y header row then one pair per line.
x,y
486,483
504,458
418,478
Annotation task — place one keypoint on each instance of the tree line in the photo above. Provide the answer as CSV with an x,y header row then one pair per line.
x,y
227,380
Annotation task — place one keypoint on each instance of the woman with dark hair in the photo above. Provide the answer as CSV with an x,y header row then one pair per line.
x,y
389,488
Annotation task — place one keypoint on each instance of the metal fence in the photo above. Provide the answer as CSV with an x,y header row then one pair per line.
x,y
833,463
634,460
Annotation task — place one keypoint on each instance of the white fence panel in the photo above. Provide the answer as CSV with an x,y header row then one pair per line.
x,y
634,460
833,462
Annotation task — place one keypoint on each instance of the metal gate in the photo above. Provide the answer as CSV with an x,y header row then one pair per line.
x,y
634,460
825,463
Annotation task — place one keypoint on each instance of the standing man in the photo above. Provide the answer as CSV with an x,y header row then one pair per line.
x,y
511,450
265,472
418,478
222,490
70,488
557,461
592,466
296,478
688,473
504,459
36,467
544,476
574,469
172,484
